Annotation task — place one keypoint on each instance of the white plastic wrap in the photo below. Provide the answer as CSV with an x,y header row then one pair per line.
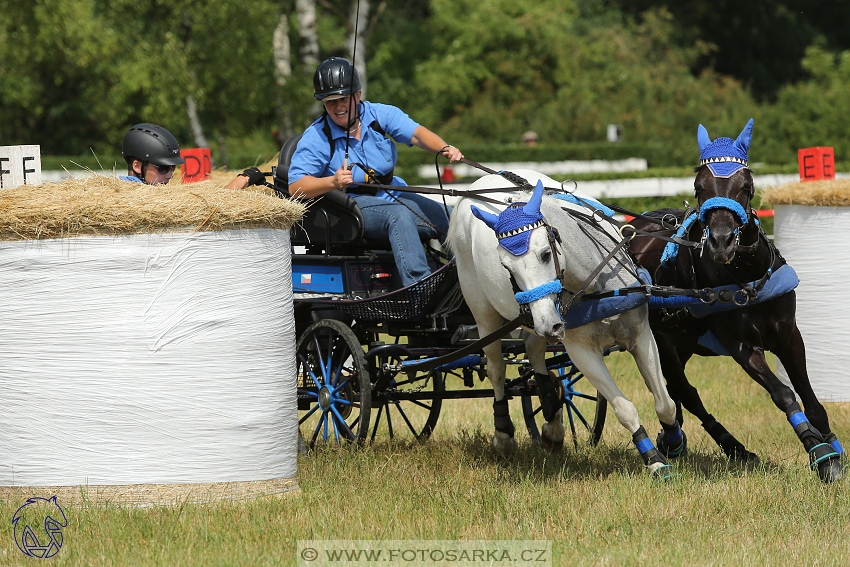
x,y
812,241
149,358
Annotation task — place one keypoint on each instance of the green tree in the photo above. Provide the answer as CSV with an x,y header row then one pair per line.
x,y
812,112
506,66
59,66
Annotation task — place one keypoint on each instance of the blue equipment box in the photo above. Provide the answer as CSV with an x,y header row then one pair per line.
x,y
312,278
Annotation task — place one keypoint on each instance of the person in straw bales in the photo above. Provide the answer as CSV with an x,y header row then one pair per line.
x,y
151,153
357,131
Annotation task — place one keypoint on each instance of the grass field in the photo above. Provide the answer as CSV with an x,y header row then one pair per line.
x,y
595,505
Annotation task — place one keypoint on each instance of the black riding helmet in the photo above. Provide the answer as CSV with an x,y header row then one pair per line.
x,y
150,143
334,78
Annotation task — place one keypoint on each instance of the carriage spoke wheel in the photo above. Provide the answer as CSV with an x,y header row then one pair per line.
x,y
398,416
584,409
334,392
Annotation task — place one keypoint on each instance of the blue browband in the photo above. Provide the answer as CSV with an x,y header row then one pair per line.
x,y
723,203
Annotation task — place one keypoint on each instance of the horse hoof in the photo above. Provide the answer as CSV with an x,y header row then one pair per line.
x,y
828,463
551,446
503,442
667,450
831,471
743,457
662,472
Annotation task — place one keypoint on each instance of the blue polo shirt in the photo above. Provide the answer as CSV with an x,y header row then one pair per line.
x,y
373,150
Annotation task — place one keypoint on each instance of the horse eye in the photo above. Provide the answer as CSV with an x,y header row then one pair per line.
x,y
697,189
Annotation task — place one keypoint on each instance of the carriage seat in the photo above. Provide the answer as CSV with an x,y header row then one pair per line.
x,y
333,220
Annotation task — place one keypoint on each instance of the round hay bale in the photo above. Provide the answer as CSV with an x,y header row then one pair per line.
x,y
147,343
811,218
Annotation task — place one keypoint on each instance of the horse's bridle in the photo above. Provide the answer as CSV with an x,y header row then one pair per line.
x,y
525,298
564,304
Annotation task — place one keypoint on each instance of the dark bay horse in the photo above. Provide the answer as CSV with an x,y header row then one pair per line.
x,y
759,309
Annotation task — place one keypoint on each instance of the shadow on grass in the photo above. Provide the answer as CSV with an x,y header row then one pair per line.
x,y
472,449
586,462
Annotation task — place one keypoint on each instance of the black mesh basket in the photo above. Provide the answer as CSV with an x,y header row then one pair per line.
x,y
409,303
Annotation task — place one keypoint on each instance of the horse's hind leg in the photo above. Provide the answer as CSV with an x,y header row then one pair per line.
x,y
551,395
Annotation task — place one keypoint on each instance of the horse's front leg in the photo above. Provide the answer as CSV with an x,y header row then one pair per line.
x,y
589,360
503,437
645,352
673,362
822,456
792,354
551,395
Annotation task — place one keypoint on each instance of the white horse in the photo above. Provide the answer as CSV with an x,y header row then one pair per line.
x,y
523,250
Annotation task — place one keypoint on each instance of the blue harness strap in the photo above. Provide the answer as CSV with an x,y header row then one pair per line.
x,y
463,362
672,249
779,283
710,341
595,205
590,310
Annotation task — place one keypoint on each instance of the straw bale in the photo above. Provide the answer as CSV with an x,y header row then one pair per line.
x,y
823,193
105,205
143,495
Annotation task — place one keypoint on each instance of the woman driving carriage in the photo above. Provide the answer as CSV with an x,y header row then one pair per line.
x,y
318,165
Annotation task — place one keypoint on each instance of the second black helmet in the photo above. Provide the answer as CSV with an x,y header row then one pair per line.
x,y
335,77
151,143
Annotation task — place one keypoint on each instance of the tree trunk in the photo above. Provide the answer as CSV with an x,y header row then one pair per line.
x,y
222,147
195,125
306,13
357,39
282,72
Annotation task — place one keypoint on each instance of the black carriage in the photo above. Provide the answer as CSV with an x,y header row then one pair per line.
x,y
358,331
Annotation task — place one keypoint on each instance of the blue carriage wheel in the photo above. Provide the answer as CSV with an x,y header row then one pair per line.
x,y
404,406
584,410
334,390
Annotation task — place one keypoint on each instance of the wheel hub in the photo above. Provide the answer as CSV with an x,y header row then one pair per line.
x,y
325,398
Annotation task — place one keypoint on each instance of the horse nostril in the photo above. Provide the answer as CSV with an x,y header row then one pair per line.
x,y
558,329
720,240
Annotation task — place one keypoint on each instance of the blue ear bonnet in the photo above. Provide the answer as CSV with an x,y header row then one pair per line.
x,y
514,228
514,225
725,156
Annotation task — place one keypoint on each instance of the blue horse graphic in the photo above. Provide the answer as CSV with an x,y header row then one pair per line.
x,y
26,538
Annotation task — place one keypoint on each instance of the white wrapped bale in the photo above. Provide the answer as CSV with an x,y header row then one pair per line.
x,y
152,365
811,220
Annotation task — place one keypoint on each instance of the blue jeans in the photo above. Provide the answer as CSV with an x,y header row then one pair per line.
x,y
404,229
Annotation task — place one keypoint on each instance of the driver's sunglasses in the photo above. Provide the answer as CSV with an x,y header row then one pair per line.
x,y
163,169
